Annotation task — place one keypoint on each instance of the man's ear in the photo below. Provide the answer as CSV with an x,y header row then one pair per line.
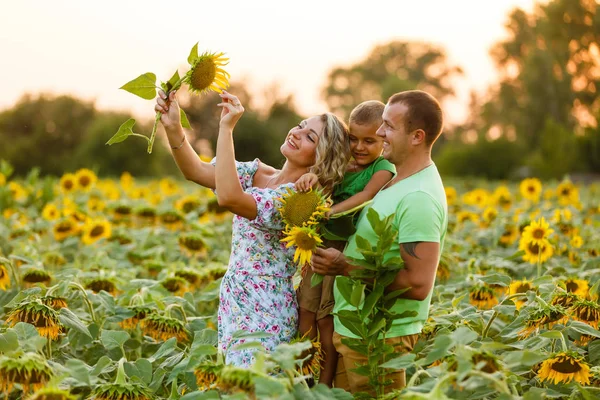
x,y
418,136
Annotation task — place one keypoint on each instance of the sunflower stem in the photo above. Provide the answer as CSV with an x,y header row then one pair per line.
x,y
121,377
413,378
49,347
154,128
51,290
179,307
489,324
85,299
563,341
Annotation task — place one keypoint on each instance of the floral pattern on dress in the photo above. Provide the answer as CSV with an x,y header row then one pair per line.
x,y
257,293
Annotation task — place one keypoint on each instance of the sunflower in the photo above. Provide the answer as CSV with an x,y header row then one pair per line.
x,y
52,393
53,259
544,315
17,191
68,183
44,318
211,273
56,303
576,241
65,228
580,287
464,216
586,311
95,204
187,204
531,189
443,271
303,208
96,230
122,212
522,286
564,299
161,327
2,179
562,215
565,367
168,187
306,239
207,374
486,362
192,244
30,370
567,193
4,277
139,314
536,252
192,277
176,285
154,267
86,179
50,212
126,181
172,220
36,275
206,73
98,284
482,297
235,379
537,232
451,195
122,391
509,235
490,214
502,197
313,356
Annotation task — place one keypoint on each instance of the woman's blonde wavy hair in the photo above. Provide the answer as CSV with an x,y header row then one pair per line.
x,y
333,152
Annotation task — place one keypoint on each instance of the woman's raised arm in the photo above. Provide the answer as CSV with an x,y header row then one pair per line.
x,y
190,165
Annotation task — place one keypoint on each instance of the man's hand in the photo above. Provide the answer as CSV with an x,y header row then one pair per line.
x,y
329,262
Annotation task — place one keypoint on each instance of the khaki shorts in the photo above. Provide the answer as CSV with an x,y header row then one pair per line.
x,y
318,299
349,359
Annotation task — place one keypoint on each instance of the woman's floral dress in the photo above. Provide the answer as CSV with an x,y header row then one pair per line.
x,y
257,293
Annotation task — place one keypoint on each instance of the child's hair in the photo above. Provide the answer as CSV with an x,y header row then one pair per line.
x,y
333,152
367,113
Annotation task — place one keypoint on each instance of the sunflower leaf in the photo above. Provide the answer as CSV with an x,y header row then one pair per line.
x,y
125,130
8,341
193,54
113,339
70,320
316,279
171,83
164,350
402,362
584,328
143,86
185,123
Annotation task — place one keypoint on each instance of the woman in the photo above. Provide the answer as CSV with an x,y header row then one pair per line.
x,y
257,293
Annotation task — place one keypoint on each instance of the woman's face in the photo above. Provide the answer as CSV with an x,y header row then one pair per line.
x,y
301,142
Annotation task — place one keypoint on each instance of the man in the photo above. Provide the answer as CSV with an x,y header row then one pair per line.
x,y
412,122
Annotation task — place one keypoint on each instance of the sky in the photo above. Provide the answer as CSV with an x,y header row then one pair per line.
x,y
90,49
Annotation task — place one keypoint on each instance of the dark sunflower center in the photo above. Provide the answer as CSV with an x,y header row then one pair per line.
x,y
482,296
305,242
565,192
588,314
68,184
84,181
300,207
531,189
564,366
62,228
534,248
539,233
523,288
572,286
203,74
98,230
193,244
123,210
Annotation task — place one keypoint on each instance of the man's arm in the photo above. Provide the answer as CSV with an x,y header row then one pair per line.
x,y
418,275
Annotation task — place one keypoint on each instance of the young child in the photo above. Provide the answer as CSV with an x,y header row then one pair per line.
x,y
366,173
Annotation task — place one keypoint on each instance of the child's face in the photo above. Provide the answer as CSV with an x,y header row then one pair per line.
x,y
365,145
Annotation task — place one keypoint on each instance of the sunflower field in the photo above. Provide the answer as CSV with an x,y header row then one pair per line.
x,y
109,290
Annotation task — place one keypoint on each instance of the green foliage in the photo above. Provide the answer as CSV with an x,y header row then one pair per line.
x,y
388,69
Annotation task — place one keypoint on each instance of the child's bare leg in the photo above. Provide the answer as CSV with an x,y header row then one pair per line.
x,y
330,356
307,323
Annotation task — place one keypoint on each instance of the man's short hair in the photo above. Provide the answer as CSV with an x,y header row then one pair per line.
x,y
424,112
367,113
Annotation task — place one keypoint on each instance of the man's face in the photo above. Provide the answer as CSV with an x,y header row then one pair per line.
x,y
396,141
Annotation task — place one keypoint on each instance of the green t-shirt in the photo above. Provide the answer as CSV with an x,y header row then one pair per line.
x,y
421,215
355,182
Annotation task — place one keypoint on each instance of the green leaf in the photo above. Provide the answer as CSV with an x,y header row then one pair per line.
x,y
170,85
193,54
316,279
516,256
464,335
396,293
143,86
29,338
102,363
378,325
210,395
523,358
70,320
440,349
142,368
358,293
552,335
370,301
351,321
185,123
594,352
9,341
203,350
344,285
125,130
374,220
164,350
268,388
584,328
496,279
363,244
78,370
113,339
402,362
248,346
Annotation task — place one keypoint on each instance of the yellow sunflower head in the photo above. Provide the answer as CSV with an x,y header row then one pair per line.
x,y
236,379
161,328
56,303
490,214
580,287
65,228
154,267
502,197
176,285
192,244
564,299
305,239
98,284
522,286
50,212
565,367
586,311
96,230
68,183
42,317
313,356
207,374
140,312
451,195
206,72
191,276
576,241
567,193
482,297
509,235
531,189
30,370
187,204
86,179
535,253
547,315
537,231
53,259
303,208
36,275
171,219
4,276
